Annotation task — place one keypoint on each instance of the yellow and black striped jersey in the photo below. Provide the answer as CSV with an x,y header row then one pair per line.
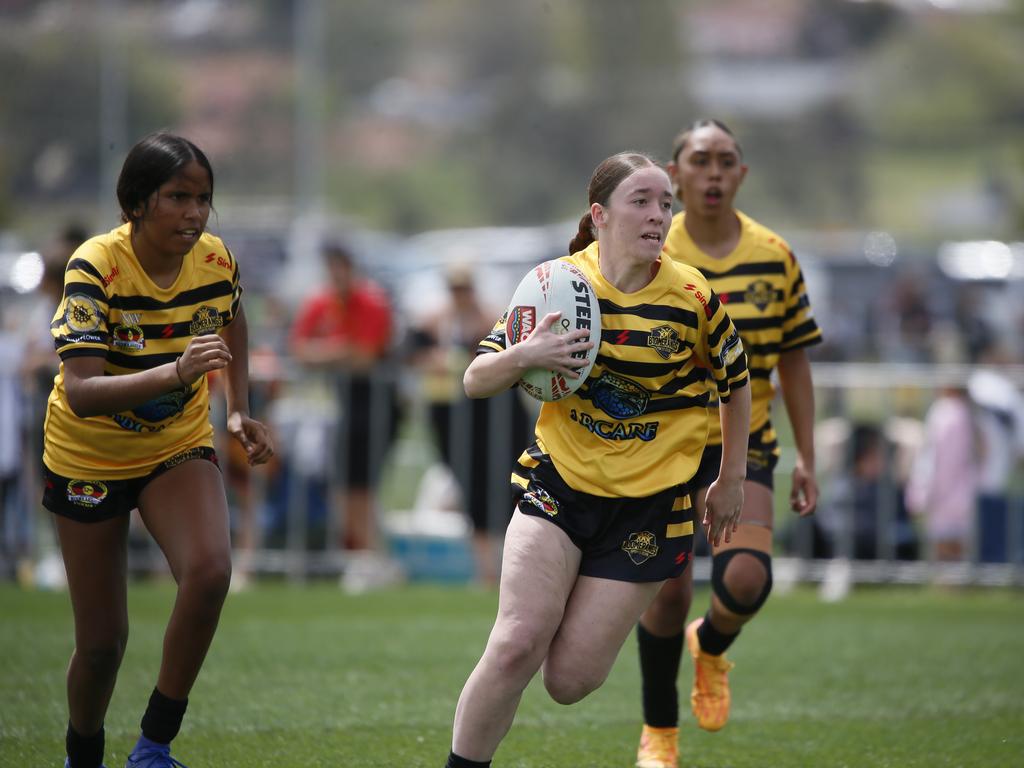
x,y
112,309
638,424
761,285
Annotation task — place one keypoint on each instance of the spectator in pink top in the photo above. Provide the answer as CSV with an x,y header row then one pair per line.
x,y
943,484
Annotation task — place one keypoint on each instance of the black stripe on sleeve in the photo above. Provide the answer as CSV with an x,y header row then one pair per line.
x,y
83,266
91,290
804,329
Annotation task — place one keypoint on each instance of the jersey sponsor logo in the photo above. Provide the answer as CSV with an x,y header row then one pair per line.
x,y
163,407
542,500
641,546
128,336
86,493
204,320
732,347
108,279
665,340
81,313
616,430
220,260
699,295
619,397
521,322
132,425
760,293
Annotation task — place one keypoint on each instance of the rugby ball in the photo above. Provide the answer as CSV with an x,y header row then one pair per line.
x,y
554,286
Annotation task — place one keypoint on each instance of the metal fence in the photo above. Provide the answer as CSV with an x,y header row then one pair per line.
x,y
288,517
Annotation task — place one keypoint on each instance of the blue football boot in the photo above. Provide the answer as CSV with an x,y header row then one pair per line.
x,y
150,754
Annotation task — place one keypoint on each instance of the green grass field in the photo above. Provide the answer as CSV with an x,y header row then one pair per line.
x,y
313,677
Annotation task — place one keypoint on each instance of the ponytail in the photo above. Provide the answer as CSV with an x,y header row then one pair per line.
x,y
585,235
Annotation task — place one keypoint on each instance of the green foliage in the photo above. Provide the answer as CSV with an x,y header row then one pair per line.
x,y
898,678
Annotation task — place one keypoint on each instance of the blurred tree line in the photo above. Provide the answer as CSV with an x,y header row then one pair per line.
x,y
415,114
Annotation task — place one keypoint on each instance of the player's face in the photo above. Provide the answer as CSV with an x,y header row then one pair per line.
x,y
639,213
175,214
708,172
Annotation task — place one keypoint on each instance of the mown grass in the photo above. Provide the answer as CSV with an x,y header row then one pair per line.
x,y
310,676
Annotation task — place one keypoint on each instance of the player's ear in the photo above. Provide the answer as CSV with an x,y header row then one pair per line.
x,y
599,214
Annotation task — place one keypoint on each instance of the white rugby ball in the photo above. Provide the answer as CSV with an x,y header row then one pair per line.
x,y
554,286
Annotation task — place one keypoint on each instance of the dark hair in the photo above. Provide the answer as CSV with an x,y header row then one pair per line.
x,y
73,234
149,164
605,179
680,141
337,252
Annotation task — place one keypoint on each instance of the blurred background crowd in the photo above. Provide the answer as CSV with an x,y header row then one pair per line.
x,y
384,179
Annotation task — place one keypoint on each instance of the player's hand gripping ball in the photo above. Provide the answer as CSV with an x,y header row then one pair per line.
x,y
554,286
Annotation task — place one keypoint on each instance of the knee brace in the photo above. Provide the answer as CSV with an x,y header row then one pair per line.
x,y
720,561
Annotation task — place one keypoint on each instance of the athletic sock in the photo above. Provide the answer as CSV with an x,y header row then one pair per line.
x,y
84,751
711,640
659,667
454,761
163,718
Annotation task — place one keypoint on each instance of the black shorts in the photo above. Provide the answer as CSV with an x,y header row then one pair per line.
x,y
647,539
762,458
369,425
92,501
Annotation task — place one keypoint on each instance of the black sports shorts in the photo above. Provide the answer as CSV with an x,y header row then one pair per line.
x,y
646,539
92,501
762,458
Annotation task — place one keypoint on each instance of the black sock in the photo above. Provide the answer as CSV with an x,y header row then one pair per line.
x,y
163,718
659,667
711,640
84,751
454,761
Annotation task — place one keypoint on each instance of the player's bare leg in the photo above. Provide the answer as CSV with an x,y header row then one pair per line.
x,y
540,566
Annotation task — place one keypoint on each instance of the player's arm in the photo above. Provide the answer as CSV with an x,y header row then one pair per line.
x,y
90,393
723,348
724,501
494,372
253,435
798,395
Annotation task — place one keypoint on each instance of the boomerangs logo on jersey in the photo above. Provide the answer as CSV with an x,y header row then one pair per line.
x,y
760,293
619,397
665,340
86,493
81,313
128,336
641,547
205,320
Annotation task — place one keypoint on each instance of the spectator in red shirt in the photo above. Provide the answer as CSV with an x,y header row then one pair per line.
x,y
347,330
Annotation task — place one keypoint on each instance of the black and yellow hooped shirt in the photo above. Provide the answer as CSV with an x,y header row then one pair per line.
x,y
763,289
112,309
638,424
